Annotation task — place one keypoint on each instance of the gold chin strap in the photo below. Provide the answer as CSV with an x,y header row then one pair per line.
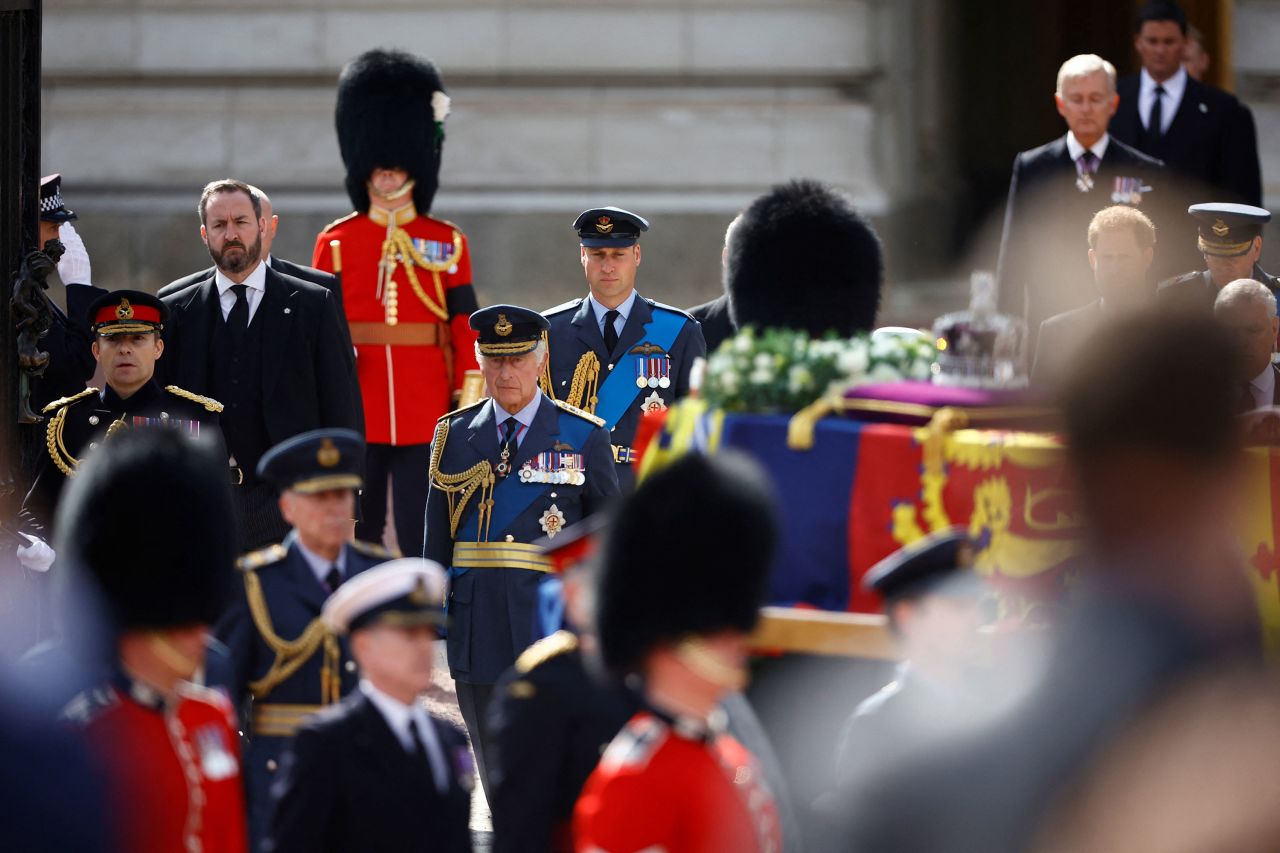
x,y
171,656
477,478
707,665
292,654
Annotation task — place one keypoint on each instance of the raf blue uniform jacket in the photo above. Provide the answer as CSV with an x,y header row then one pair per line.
x,y
491,611
294,596
575,331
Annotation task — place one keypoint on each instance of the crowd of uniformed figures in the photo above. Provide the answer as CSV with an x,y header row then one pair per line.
x,y
238,654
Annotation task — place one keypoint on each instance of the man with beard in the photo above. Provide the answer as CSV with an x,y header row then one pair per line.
x,y
249,335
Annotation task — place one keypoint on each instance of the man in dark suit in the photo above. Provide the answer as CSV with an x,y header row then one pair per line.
x,y
275,649
1247,309
717,325
615,354
1121,248
261,342
505,472
328,281
1200,132
1205,136
1057,188
378,773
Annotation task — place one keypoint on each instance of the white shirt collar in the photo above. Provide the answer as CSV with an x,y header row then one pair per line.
x,y
624,310
257,279
1075,149
1263,387
525,416
319,565
397,714
1173,89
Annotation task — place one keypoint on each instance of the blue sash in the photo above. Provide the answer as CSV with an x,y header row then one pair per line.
x,y
512,496
619,391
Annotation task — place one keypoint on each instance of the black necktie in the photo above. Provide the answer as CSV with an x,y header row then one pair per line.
x,y
421,763
610,330
1155,127
333,579
238,316
508,449
1244,399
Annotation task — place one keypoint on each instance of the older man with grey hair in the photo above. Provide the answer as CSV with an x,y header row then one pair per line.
x,y
1057,188
1247,309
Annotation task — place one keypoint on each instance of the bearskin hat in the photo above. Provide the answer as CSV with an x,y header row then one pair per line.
x,y
688,553
802,258
387,118
148,519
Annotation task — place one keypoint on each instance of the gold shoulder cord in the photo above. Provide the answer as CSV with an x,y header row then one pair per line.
x,y
66,463
583,390
290,655
401,243
479,477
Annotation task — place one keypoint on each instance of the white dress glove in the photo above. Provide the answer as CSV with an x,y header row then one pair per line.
x,y
37,556
74,266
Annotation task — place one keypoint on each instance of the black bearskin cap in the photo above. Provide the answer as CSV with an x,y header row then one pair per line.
x,y
688,553
148,519
385,119
802,258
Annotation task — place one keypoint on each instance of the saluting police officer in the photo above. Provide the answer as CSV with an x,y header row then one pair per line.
x,y
1231,242
280,661
615,354
505,472
127,343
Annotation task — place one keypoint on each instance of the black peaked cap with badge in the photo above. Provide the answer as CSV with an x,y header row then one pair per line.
x,y
506,330
1227,230
716,519
609,227
124,312
52,207
929,563
154,568
315,461
385,118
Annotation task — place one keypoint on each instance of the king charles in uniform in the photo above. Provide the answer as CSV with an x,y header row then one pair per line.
x,y
281,665
126,325
615,354
505,472
406,277
674,779
168,747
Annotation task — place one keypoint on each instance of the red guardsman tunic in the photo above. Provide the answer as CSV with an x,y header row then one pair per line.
x,y
679,788
406,289
174,767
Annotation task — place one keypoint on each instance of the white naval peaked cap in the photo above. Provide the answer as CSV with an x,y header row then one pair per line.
x,y
404,592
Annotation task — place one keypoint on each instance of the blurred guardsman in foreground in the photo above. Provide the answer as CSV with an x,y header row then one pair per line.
x,y
169,747
127,344
278,652
673,779
615,354
406,277
378,773
505,472
1162,597
931,597
553,714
